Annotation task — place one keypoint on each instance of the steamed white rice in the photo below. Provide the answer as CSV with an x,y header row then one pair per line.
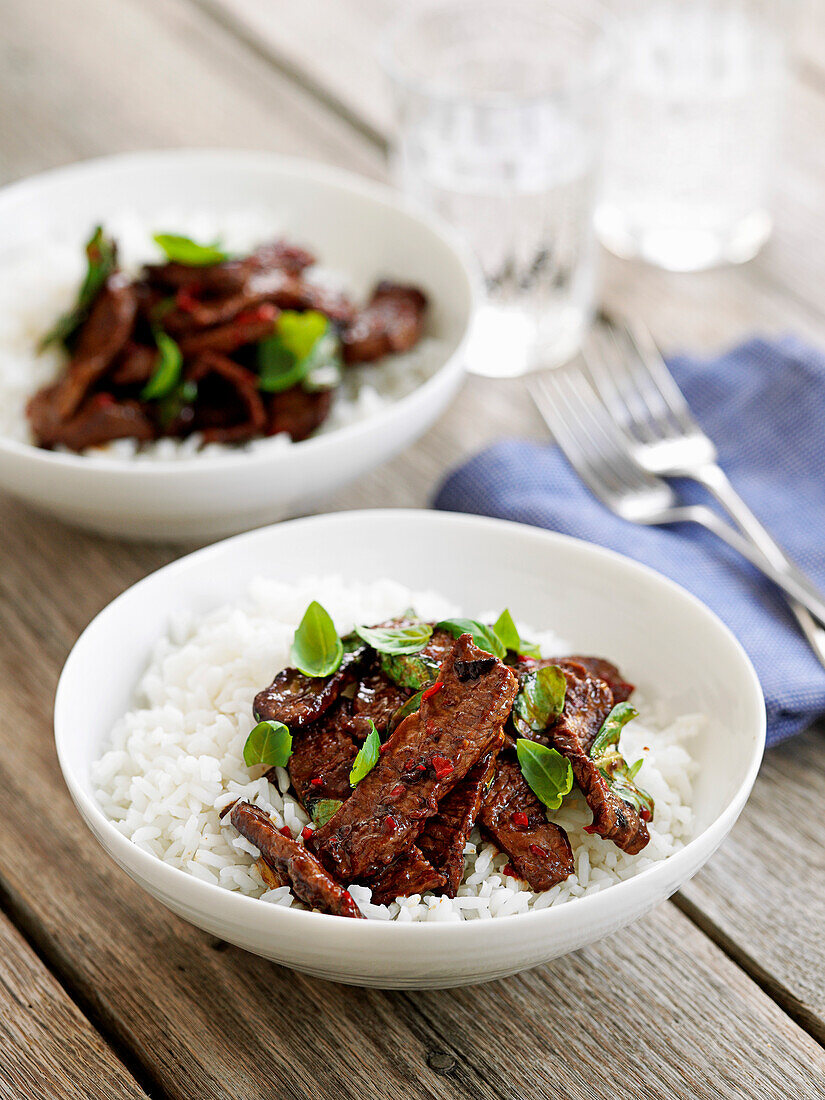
x,y
39,283
176,760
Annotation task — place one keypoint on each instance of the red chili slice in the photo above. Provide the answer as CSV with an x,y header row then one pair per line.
x,y
442,767
285,831
316,782
306,832
538,851
433,690
521,818
390,823
645,814
590,829
510,871
397,790
264,312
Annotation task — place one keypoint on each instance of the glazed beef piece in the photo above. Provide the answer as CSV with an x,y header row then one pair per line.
x,y
607,671
586,705
232,410
378,698
298,412
425,757
517,823
134,366
248,327
392,321
99,420
289,857
217,280
322,757
410,874
297,700
445,835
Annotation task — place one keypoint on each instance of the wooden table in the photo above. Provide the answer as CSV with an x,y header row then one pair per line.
x,y
719,993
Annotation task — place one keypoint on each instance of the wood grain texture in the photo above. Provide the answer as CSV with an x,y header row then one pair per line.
x,y
763,896
206,1020
48,1049
656,1011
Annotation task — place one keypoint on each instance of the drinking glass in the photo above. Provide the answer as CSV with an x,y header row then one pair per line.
x,y
693,133
500,109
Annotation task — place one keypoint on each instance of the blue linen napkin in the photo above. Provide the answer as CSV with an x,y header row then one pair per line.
x,y
763,403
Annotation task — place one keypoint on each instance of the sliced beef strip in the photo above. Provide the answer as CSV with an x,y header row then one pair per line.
x,y
227,422
103,334
298,412
439,645
231,275
392,321
445,835
589,697
587,703
607,671
425,757
322,757
410,874
310,881
297,700
99,420
248,327
376,697
134,366
517,823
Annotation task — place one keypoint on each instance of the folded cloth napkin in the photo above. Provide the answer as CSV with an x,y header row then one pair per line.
x,y
763,403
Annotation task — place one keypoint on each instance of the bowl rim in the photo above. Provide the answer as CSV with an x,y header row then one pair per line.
x,y
243,910
380,194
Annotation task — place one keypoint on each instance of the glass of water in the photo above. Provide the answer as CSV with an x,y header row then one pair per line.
x,y
693,133
500,107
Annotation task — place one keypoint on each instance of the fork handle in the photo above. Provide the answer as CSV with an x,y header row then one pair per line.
x,y
797,583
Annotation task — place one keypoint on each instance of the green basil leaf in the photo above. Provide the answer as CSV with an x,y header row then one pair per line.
x,y
101,260
367,756
166,375
183,250
396,639
630,793
510,638
410,707
409,670
633,770
316,647
540,699
612,728
324,809
483,636
304,348
269,743
548,773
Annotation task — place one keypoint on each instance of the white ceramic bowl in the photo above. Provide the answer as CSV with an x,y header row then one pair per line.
x,y
355,226
663,638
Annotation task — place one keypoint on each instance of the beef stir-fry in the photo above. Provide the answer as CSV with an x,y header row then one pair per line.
x,y
231,347
400,739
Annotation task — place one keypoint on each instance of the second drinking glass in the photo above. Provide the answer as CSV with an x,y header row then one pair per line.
x,y
500,128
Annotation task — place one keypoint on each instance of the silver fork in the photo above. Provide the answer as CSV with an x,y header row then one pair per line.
x,y
588,437
661,434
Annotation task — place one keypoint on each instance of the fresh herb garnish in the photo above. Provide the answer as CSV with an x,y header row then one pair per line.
x,y
316,647
323,810
304,348
367,756
483,636
166,375
510,638
409,670
396,639
604,752
101,258
183,250
612,728
548,773
410,707
269,743
540,699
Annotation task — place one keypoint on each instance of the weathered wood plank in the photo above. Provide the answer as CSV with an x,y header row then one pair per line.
x,y
48,1049
85,78
208,1022
762,897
